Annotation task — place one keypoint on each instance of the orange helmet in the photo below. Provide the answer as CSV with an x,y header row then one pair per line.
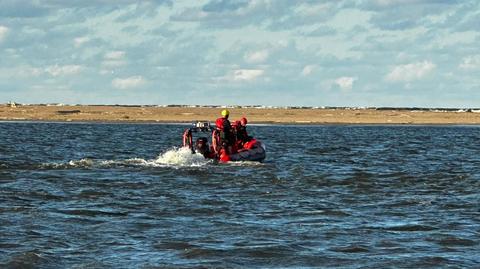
x,y
243,121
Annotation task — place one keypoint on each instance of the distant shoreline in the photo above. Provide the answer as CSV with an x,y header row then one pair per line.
x,y
259,115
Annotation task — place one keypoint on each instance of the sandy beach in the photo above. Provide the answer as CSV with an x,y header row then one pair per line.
x,y
85,113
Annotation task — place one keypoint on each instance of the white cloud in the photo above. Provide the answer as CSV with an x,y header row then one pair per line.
x,y
387,3
28,72
247,74
20,73
56,70
345,83
115,55
3,32
307,70
392,2
471,62
314,10
128,83
79,41
256,56
114,59
32,71
410,72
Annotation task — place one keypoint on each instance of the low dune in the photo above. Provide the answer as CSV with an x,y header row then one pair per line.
x,y
255,115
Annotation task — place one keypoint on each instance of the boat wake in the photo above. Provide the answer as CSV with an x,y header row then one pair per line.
x,y
177,157
181,157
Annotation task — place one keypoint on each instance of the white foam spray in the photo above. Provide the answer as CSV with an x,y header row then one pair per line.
x,y
181,157
177,157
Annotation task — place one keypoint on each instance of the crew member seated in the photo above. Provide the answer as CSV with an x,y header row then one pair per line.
x,y
202,147
242,134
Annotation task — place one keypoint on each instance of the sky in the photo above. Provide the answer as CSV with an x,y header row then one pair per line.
x,y
423,53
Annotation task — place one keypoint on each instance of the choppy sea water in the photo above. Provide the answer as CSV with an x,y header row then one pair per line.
x,y
122,196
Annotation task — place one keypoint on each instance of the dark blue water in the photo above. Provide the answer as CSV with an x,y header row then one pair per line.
x,y
120,196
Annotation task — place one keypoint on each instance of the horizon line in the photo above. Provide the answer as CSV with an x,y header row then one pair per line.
x,y
467,109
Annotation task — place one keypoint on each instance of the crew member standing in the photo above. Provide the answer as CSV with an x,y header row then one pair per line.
x,y
225,129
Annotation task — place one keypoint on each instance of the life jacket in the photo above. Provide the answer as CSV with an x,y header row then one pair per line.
x,y
250,144
224,157
223,125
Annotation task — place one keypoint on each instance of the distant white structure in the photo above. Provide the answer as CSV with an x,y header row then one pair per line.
x,y
12,104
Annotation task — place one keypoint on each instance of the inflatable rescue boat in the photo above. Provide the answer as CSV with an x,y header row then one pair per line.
x,y
204,139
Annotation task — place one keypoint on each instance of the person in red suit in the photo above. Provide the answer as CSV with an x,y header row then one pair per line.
x,y
226,135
